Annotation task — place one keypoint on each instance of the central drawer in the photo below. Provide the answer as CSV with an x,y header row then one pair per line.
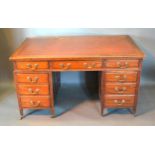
x,y
33,89
76,65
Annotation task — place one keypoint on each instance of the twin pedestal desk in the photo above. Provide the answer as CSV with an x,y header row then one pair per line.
x,y
117,58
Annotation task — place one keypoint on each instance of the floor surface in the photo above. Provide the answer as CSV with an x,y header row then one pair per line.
x,y
74,107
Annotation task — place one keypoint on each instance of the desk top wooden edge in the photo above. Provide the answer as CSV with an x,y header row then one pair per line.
x,y
77,47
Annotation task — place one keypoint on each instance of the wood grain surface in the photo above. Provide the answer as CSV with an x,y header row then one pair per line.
x,y
73,47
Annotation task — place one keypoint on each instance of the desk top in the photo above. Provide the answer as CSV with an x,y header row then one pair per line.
x,y
73,47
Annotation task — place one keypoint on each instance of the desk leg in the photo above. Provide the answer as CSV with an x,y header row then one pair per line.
x,y
56,82
21,114
134,109
18,98
101,90
51,94
102,109
20,107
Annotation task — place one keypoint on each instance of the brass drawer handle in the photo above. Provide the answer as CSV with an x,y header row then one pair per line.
x,y
121,78
63,66
31,91
120,102
124,65
120,90
32,80
35,104
36,66
89,66
30,66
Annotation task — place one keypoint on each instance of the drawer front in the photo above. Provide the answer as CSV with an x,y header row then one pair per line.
x,y
121,76
119,101
32,65
121,64
75,65
33,89
32,78
35,101
120,88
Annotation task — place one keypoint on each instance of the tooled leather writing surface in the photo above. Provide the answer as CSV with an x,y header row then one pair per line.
x,y
77,47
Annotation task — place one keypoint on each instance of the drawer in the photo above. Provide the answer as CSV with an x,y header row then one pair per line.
x,y
32,65
119,101
120,88
33,89
75,65
122,64
121,76
32,78
35,101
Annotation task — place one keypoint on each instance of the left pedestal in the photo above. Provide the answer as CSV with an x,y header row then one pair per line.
x,y
34,86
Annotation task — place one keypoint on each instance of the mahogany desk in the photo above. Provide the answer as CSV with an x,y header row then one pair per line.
x,y
117,58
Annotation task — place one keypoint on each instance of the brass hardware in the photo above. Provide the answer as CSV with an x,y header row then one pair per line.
x,y
35,104
120,90
119,102
35,79
36,66
29,79
85,64
63,66
124,65
30,66
36,91
89,66
30,90
32,80
121,78
68,65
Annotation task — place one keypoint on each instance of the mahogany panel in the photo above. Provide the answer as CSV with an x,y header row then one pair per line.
x,y
31,78
119,101
76,65
35,102
29,65
33,89
121,76
122,64
123,88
